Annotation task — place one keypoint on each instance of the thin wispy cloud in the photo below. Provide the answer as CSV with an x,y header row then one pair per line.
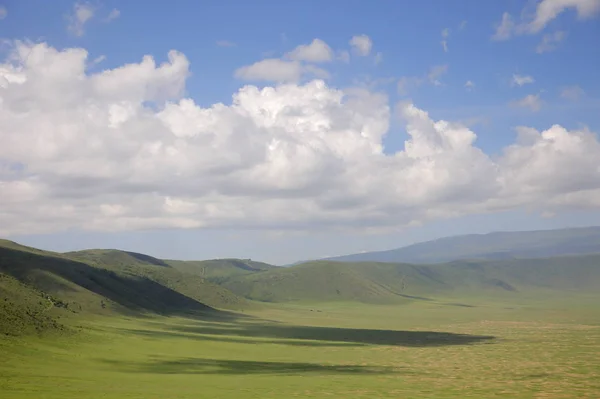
x,y
531,102
81,14
521,80
114,14
573,93
444,42
435,73
225,43
550,42
545,12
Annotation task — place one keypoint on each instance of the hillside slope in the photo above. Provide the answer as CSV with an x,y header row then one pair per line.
x,y
218,270
35,283
500,245
392,283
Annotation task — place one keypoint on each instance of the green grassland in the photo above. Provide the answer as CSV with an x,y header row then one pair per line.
x,y
115,324
418,350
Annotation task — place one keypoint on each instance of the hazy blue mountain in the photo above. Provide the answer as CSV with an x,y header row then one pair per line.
x,y
499,245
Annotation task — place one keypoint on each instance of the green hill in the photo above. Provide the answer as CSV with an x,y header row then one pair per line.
x,y
37,287
499,245
386,282
219,270
114,258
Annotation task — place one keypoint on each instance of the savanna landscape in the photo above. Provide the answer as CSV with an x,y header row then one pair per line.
x,y
265,199
116,324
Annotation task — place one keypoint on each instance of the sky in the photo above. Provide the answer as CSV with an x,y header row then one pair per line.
x,y
286,131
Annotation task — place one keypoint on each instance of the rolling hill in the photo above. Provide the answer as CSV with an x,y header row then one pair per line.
x,y
37,287
219,270
500,245
394,283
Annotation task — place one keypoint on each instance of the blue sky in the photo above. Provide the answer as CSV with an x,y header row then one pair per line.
x,y
539,69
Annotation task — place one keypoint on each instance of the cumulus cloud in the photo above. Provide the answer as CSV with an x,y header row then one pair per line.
x,y
3,12
292,67
531,101
545,12
361,44
317,51
85,150
80,15
521,80
278,70
469,85
550,42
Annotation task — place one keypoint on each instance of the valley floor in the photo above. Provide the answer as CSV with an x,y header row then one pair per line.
x,y
341,350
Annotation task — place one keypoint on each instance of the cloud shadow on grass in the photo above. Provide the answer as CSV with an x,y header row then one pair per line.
x,y
330,334
191,365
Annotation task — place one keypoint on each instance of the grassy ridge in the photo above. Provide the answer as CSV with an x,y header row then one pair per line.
x,y
384,282
218,270
38,287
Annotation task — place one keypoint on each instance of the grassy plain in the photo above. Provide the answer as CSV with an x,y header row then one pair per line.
x,y
476,349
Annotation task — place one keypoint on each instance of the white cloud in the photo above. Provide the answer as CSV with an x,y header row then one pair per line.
x,y
548,10
504,29
435,73
444,42
317,51
83,150
3,12
469,85
550,42
521,80
98,60
463,25
545,12
361,44
572,93
114,14
225,43
278,70
531,101
82,13
378,58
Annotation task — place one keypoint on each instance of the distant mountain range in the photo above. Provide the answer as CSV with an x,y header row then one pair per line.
x,y
500,245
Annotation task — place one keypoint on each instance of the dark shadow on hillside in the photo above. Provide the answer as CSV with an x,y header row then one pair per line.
x,y
157,334
238,367
331,334
147,258
130,292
